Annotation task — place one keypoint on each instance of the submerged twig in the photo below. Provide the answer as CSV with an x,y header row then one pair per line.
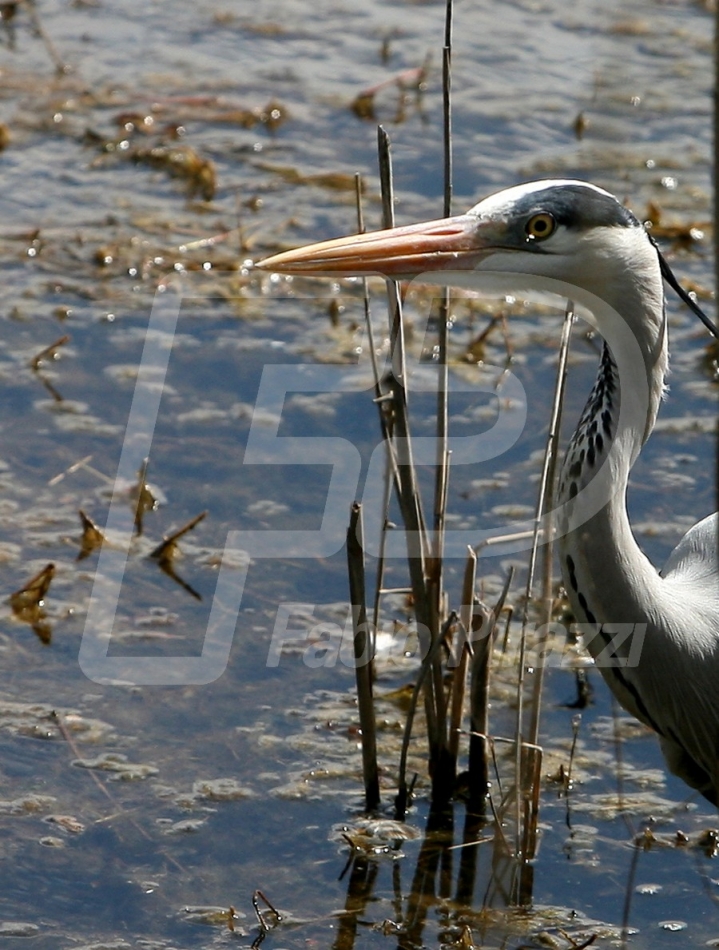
x,y
117,808
58,62
265,927
576,722
49,352
76,466
626,910
46,354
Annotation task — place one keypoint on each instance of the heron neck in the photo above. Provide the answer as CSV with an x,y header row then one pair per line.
x,y
607,576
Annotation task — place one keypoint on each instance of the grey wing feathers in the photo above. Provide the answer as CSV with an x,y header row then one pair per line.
x,y
696,557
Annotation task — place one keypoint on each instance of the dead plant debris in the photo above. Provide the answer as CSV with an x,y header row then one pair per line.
x,y
166,552
28,603
143,498
336,181
49,352
414,79
683,235
92,537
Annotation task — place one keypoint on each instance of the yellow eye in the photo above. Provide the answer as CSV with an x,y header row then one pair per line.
x,y
540,226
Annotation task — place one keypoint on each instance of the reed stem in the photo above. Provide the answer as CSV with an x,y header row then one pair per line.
x,y
363,643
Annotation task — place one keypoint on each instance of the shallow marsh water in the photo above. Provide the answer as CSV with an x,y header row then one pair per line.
x,y
198,795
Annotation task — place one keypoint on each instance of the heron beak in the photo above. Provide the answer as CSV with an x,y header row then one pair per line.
x,y
457,243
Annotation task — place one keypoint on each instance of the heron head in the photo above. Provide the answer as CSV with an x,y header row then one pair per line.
x,y
537,235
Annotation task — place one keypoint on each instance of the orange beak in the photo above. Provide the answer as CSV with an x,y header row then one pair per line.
x,y
447,244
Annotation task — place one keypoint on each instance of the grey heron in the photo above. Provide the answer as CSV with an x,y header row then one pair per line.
x,y
654,634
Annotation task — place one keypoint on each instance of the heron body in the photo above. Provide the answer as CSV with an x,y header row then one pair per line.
x,y
654,635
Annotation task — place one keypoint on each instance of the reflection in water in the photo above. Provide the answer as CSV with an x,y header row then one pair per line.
x,y
469,884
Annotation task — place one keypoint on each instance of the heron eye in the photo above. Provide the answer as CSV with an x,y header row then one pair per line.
x,y
540,226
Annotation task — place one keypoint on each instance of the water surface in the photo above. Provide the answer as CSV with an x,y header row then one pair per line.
x,y
87,238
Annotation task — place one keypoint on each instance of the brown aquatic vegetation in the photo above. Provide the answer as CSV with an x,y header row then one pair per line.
x,y
165,123
683,235
183,162
143,498
28,603
335,181
168,550
179,161
414,79
92,537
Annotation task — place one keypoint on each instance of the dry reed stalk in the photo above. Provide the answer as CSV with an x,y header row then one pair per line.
x,y
443,762
366,299
408,492
544,513
530,800
459,680
482,627
484,631
525,833
442,466
425,555
531,777
422,679
363,643
390,467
